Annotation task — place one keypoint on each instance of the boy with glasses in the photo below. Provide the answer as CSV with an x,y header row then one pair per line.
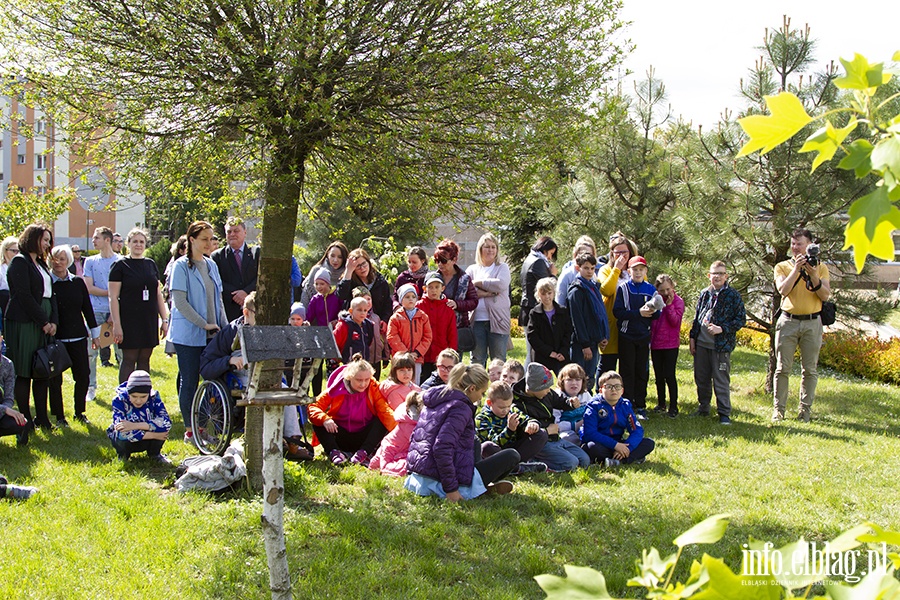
x,y
606,419
446,360
719,316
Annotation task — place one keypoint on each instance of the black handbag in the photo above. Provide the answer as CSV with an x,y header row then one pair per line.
x,y
50,361
465,339
829,313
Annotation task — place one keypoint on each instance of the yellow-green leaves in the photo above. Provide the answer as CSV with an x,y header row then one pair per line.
x,y
708,531
862,75
873,219
826,141
581,583
768,131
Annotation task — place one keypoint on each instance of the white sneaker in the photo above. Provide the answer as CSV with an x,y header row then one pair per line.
x,y
91,394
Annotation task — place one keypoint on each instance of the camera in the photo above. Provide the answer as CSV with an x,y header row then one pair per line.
x,y
812,255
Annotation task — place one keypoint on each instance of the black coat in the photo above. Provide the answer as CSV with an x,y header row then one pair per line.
x,y
74,304
533,270
234,279
545,337
381,291
26,292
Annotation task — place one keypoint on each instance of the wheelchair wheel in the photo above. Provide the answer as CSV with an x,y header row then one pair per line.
x,y
212,417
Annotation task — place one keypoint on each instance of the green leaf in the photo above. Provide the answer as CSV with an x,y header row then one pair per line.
x,y
859,158
652,569
879,535
880,242
826,141
768,131
849,539
886,155
861,75
581,583
708,531
725,584
877,584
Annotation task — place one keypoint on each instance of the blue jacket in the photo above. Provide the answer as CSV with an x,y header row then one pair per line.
x,y
442,446
153,412
214,360
728,313
588,327
605,424
182,331
630,297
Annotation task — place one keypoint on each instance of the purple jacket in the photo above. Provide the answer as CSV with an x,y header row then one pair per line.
x,y
442,445
322,310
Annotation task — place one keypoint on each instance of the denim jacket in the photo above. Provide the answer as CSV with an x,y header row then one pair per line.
x,y
182,331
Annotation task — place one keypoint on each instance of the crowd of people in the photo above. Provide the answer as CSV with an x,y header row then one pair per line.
x,y
592,326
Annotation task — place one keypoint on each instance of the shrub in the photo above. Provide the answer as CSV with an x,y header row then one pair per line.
x,y
860,355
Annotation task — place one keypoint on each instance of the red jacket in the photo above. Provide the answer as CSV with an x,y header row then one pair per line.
x,y
443,326
405,334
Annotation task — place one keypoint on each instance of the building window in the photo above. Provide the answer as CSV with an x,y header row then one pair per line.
x,y
21,159
40,191
39,127
40,161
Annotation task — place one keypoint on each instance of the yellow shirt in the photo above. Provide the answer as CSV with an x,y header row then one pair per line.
x,y
800,301
608,278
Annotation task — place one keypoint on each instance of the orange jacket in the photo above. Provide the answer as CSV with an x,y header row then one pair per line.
x,y
405,334
329,402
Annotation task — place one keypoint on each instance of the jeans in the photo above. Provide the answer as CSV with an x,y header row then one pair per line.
x,y
485,341
563,456
598,452
189,367
589,366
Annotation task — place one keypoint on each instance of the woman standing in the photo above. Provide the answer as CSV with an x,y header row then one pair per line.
x,y
358,271
459,290
197,312
30,317
417,261
491,317
8,248
134,283
332,261
614,272
74,304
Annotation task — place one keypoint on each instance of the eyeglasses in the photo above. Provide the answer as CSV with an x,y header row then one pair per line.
x,y
717,274
442,260
613,387
444,368
620,253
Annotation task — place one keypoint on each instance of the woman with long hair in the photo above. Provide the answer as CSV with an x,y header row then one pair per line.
x,y
197,312
333,261
491,318
134,287
31,318
359,271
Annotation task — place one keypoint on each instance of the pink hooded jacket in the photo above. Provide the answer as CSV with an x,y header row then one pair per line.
x,y
390,458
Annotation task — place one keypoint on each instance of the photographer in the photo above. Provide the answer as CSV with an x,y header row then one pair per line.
x,y
803,284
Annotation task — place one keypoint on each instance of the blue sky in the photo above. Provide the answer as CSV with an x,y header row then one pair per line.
x,y
702,48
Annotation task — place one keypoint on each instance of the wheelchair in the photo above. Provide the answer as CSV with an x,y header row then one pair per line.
x,y
214,414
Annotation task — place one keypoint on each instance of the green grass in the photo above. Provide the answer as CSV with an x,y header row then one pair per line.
x,y
98,529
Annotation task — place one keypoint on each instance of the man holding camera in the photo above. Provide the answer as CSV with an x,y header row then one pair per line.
x,y
803,284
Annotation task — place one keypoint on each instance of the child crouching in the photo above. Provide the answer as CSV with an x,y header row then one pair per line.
x,y
606,419
390,458
140,422
501,425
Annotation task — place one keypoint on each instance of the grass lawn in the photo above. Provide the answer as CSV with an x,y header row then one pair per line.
x,y
98,529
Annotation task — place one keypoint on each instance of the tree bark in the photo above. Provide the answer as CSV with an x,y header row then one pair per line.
x,y
273,505
273,288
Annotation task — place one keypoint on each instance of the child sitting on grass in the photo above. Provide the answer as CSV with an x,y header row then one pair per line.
x,y
535,397
399,383
444,455
572,383
390,458
15,492
607,418
140,422
513,372
500,425
495,369
446,360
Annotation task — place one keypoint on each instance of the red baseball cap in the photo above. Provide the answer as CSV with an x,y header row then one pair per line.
x,y
637,260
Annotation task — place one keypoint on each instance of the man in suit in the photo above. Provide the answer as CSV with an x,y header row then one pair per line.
x,y
77,266
238,267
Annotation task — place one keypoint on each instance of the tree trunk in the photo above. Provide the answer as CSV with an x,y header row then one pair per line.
x,y
273,289
273,505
